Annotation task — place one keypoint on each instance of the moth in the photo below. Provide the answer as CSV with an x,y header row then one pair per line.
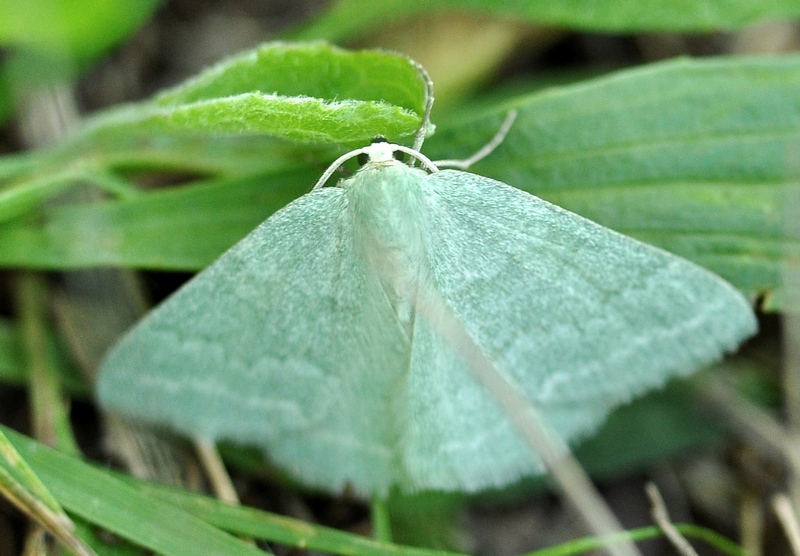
x,y
323,337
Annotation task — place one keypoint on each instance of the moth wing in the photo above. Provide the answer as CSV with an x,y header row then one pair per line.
x,y
284,343
579,317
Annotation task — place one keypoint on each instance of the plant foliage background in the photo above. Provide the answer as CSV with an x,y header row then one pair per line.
x,y
151,136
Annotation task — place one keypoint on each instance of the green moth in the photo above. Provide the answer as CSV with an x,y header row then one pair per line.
x,y
318,339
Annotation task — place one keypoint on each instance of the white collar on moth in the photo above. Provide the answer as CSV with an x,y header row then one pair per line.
x,y
380,152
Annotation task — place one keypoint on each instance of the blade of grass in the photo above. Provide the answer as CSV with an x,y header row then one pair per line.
x,y
120,503
17,164
200,221
11,368
106,501
132,510
20,197
21,486
14,371
50,414
105,544
589,544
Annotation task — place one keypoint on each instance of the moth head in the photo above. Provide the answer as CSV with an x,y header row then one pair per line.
x,y
378,153
380,150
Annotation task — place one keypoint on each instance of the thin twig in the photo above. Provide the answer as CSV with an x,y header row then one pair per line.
x,y
782,506
754,424
751,523
36,542
51,424
661,518
47,115
790,278
215,470
747,420
221,482
49,408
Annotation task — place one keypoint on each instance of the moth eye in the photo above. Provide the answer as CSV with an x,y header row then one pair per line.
x,y
401,156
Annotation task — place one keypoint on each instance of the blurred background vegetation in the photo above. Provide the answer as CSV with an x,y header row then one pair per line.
x,y
106,210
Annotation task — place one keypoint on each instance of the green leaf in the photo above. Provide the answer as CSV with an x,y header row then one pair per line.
x,y
348,18
693,156
301,119
314,69
307,92
184,228
243,131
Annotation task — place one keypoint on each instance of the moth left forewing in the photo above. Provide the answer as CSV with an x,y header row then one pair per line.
x,y
276,345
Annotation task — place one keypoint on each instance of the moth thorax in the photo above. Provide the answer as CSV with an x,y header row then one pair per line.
x,y
400,281
397,263
387,221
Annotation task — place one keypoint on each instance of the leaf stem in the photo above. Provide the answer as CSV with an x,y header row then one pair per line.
x,y
14,165
50,411
112,184
19,197
381,519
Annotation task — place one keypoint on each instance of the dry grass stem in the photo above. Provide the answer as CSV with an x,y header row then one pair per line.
x,y
783,508
661,518
215,471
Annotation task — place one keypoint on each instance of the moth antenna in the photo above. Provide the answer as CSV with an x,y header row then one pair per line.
x,y
368,150
426,162
487,149
335,166
419,138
